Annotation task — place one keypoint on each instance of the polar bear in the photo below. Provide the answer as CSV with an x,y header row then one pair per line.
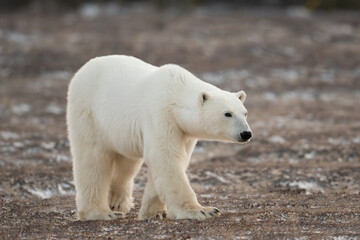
x,y
122,110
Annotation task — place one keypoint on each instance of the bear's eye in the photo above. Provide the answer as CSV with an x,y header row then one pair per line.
x,y
246,114
228,114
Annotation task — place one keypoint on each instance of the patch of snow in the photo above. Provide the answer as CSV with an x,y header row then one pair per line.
x,y
199,149
270,96
309,187
310,155
356,139
61,74
90,10
220,178
224,75
207,195
232,211
290,75
62,158
276,139
339,29
257,81
290,51
8,149
8,135
224,197
328,76
301,238
21,109
338,141
66,189
54,109
298,12
211,154
254,160
48,145
293,160
19,144
294,95
44,194
62,189
345,238
15,37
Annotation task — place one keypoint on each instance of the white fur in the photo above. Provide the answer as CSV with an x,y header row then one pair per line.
x,y
122,110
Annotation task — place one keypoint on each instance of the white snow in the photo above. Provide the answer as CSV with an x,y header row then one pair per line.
x,y
18,144
15,37
61,189
92,10
8,135
48,145
289,75
60,75
207,195
224,75
270,96
66,189
310,155
54,109
62,158
220,178
21,109
276,139
44,194
356,139
345,238
309,187
199,149
294,95
291,95
298,12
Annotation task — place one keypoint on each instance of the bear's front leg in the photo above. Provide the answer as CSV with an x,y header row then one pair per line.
x,y
172,187
151,205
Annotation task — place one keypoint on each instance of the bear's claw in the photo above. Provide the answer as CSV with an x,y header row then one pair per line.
x,y
161,215
209,212
120,204
201,213
116,215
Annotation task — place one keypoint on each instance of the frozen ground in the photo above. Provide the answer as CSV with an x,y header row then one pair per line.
x,y
300,176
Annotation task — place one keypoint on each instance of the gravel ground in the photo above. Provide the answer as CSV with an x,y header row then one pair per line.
x,y
299,178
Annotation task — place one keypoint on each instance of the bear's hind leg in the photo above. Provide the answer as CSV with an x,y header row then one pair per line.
x,y
92,169
122,182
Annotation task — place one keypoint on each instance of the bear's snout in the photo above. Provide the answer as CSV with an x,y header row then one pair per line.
x,y
246,135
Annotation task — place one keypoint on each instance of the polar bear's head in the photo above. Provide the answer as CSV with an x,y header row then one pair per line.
x,y
223,116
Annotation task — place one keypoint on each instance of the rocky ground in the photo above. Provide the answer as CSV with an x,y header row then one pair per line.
x,y
299,178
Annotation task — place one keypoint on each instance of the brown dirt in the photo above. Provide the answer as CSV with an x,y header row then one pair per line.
x,y
298,178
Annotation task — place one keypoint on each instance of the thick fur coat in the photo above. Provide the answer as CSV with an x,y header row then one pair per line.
x,y
122,111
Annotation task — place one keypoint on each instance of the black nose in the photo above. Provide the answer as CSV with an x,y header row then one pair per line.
x,y
245,135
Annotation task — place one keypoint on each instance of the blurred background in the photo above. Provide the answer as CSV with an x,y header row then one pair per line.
x,y
58,5
298,61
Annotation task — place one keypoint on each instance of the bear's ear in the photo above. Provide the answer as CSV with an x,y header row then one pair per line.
x,y
203,97
241,95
